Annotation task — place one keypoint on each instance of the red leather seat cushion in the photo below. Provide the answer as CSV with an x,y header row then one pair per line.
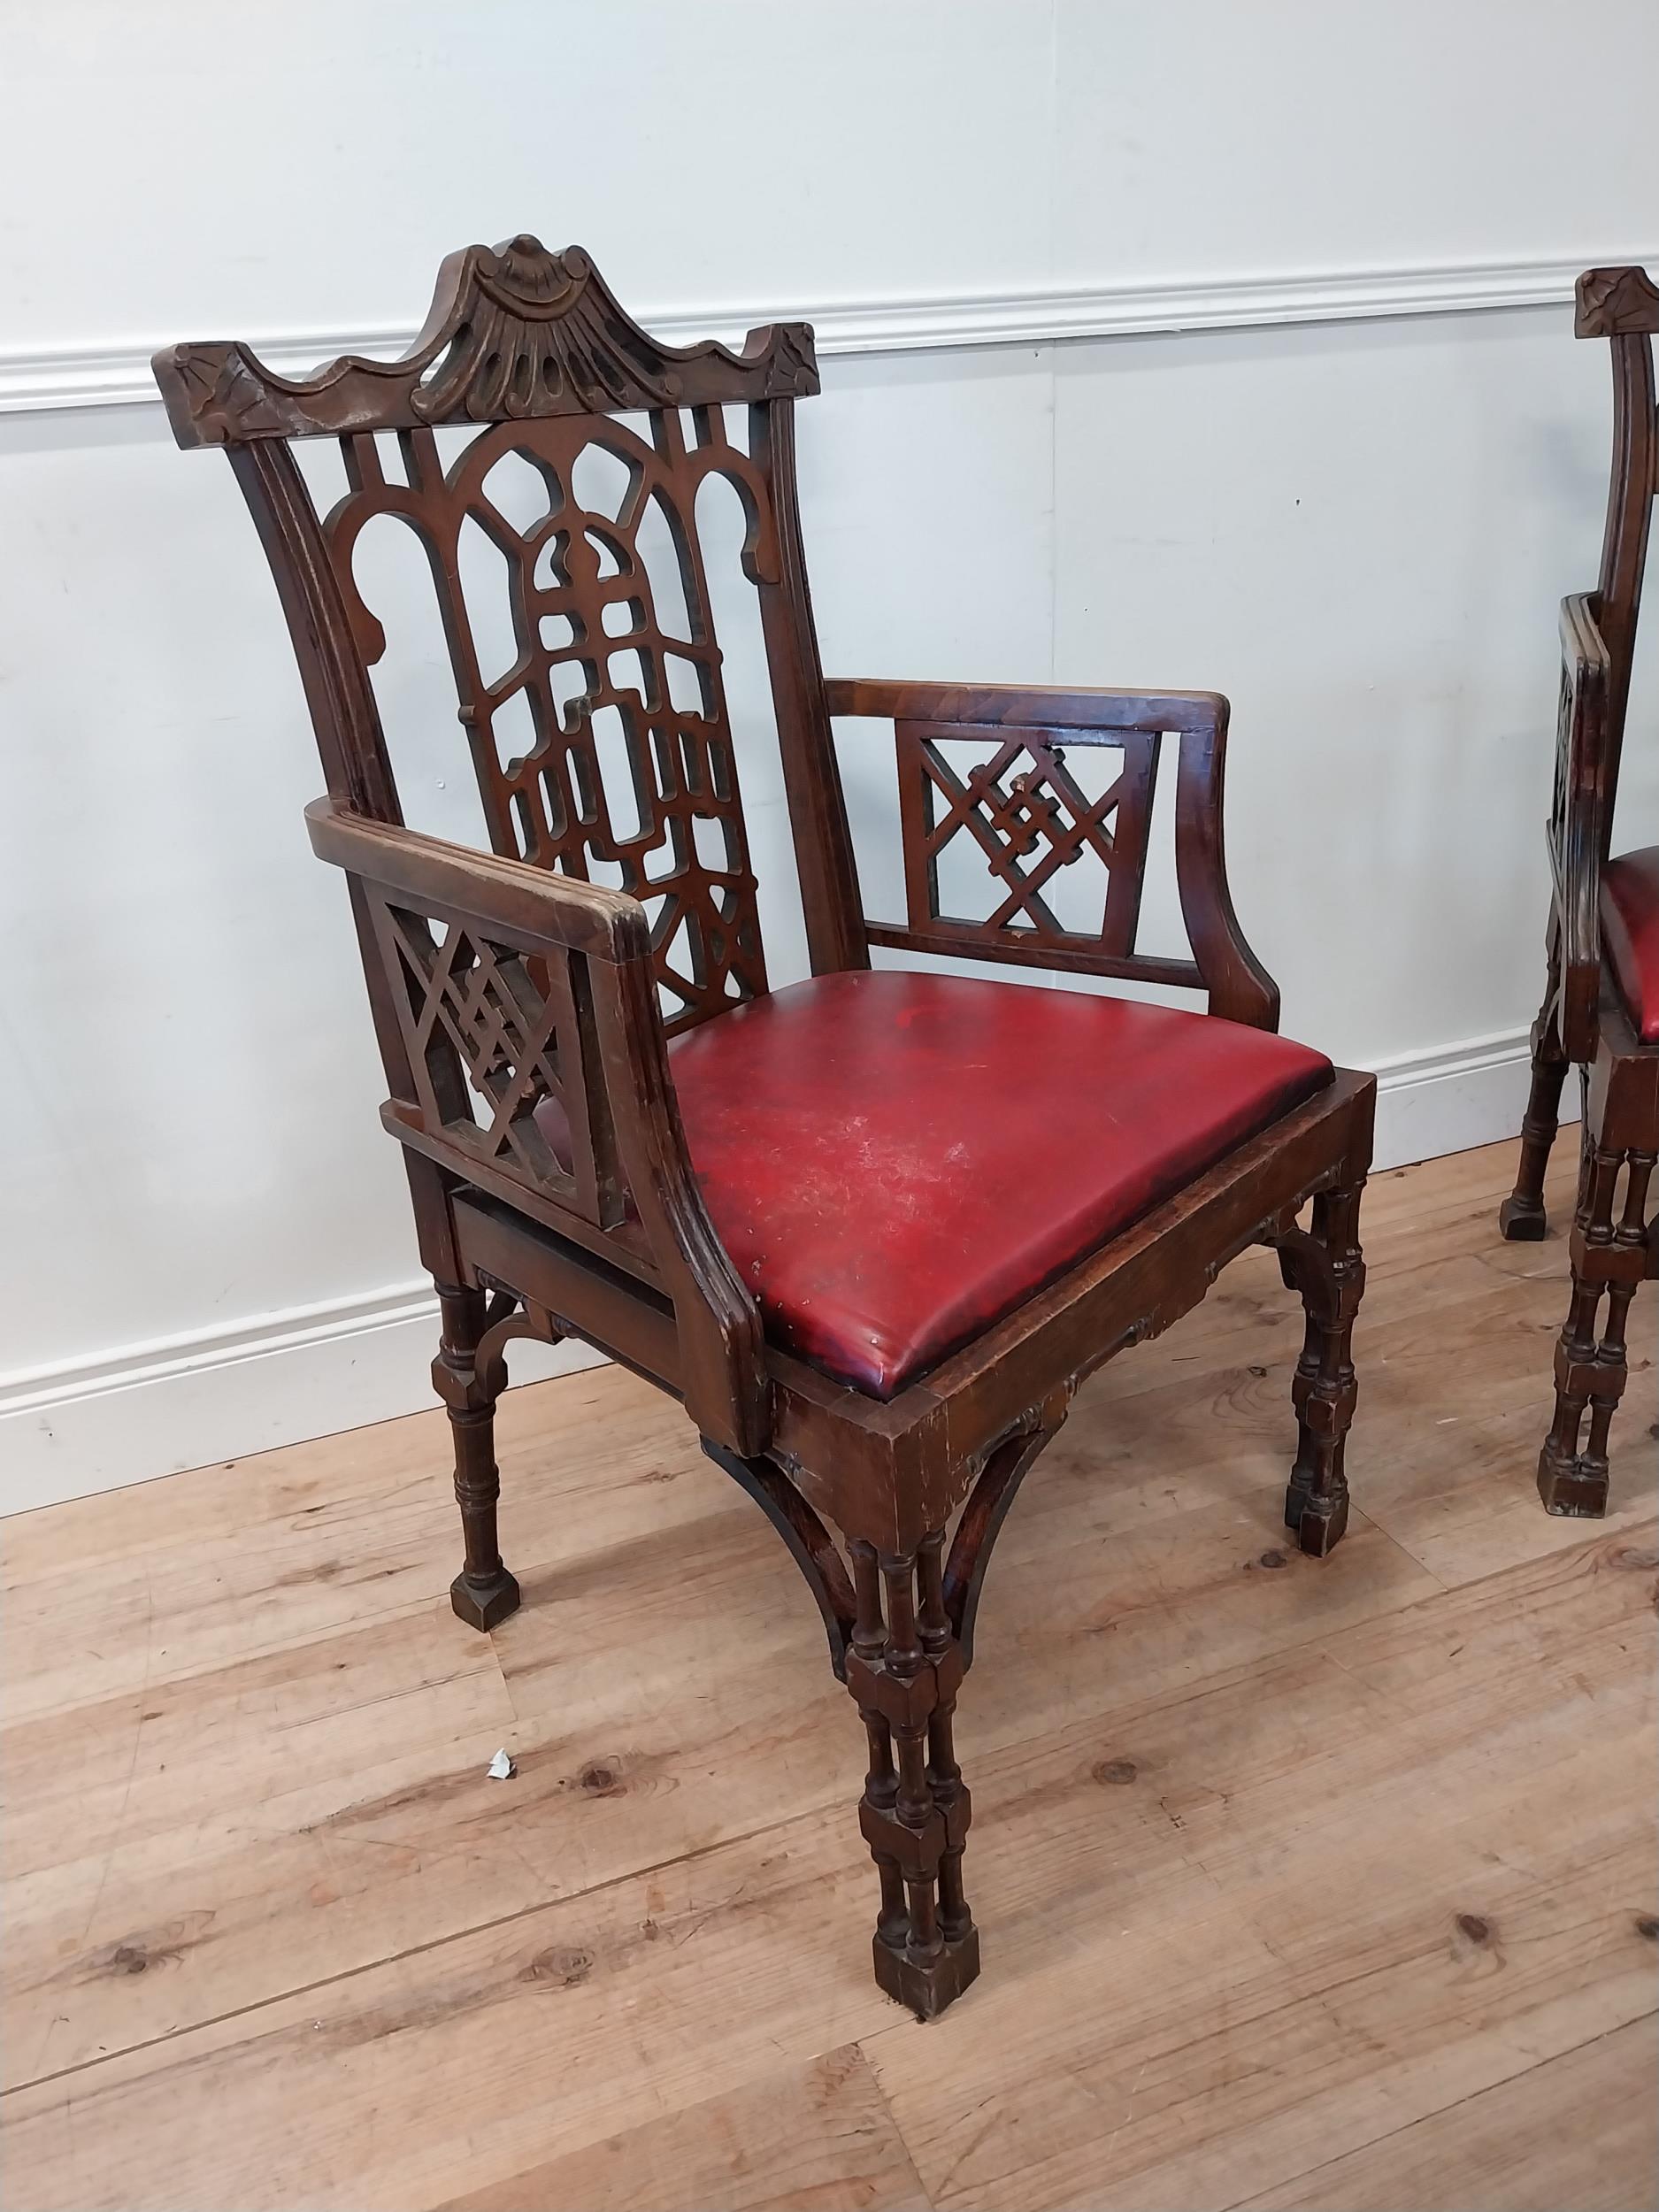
x,y
1629,934
894,1161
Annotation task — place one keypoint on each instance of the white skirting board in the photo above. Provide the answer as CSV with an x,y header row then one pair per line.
x,y
149,1410
91,1424
1464,1094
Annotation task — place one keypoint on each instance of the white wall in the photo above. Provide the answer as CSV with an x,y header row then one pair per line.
x,y
1286,404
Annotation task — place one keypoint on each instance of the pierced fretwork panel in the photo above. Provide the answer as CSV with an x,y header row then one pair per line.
x,y
591,692
497,1047
997,823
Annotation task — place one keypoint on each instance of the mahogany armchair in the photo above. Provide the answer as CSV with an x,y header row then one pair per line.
x,y
1601,1007
874,1228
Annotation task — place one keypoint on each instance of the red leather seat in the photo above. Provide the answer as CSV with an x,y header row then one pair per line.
x,y
1629,934
894,1161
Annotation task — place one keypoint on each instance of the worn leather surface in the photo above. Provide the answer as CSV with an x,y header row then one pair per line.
x,y
894,1161
1629,934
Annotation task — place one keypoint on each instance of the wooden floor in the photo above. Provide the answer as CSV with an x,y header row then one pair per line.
x,y
1308,1884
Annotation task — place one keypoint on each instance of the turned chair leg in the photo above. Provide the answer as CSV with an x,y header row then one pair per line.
x,y
1329,1270
1609,1259
904,1670
1521,1217
483,1593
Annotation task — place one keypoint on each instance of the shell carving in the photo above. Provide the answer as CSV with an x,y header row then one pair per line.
x,y
515,332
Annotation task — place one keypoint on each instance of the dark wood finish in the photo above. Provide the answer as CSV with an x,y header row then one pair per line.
x,y
484,1592
807,1541
987,1508
1029,821
904,1671
828,878
515,334
508,986
549,804
523,1008
1582,1021
1325,1266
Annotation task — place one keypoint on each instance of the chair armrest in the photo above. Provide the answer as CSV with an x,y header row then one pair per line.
x,y
544,911
519,1019
1041,721
1578,823
1048,706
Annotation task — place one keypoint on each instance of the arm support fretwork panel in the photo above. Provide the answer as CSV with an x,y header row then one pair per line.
x,y
1007,828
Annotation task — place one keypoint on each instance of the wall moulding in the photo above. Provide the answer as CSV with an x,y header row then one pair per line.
x,y
117,375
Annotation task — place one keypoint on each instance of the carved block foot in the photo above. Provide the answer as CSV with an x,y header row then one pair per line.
x,y
1570,1488
1592,1360
1523,1220
484,1604
1319,1522
904,1671
928,1989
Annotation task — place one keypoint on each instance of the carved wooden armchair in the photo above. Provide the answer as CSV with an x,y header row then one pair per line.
x,y
1601,1001
874,1228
